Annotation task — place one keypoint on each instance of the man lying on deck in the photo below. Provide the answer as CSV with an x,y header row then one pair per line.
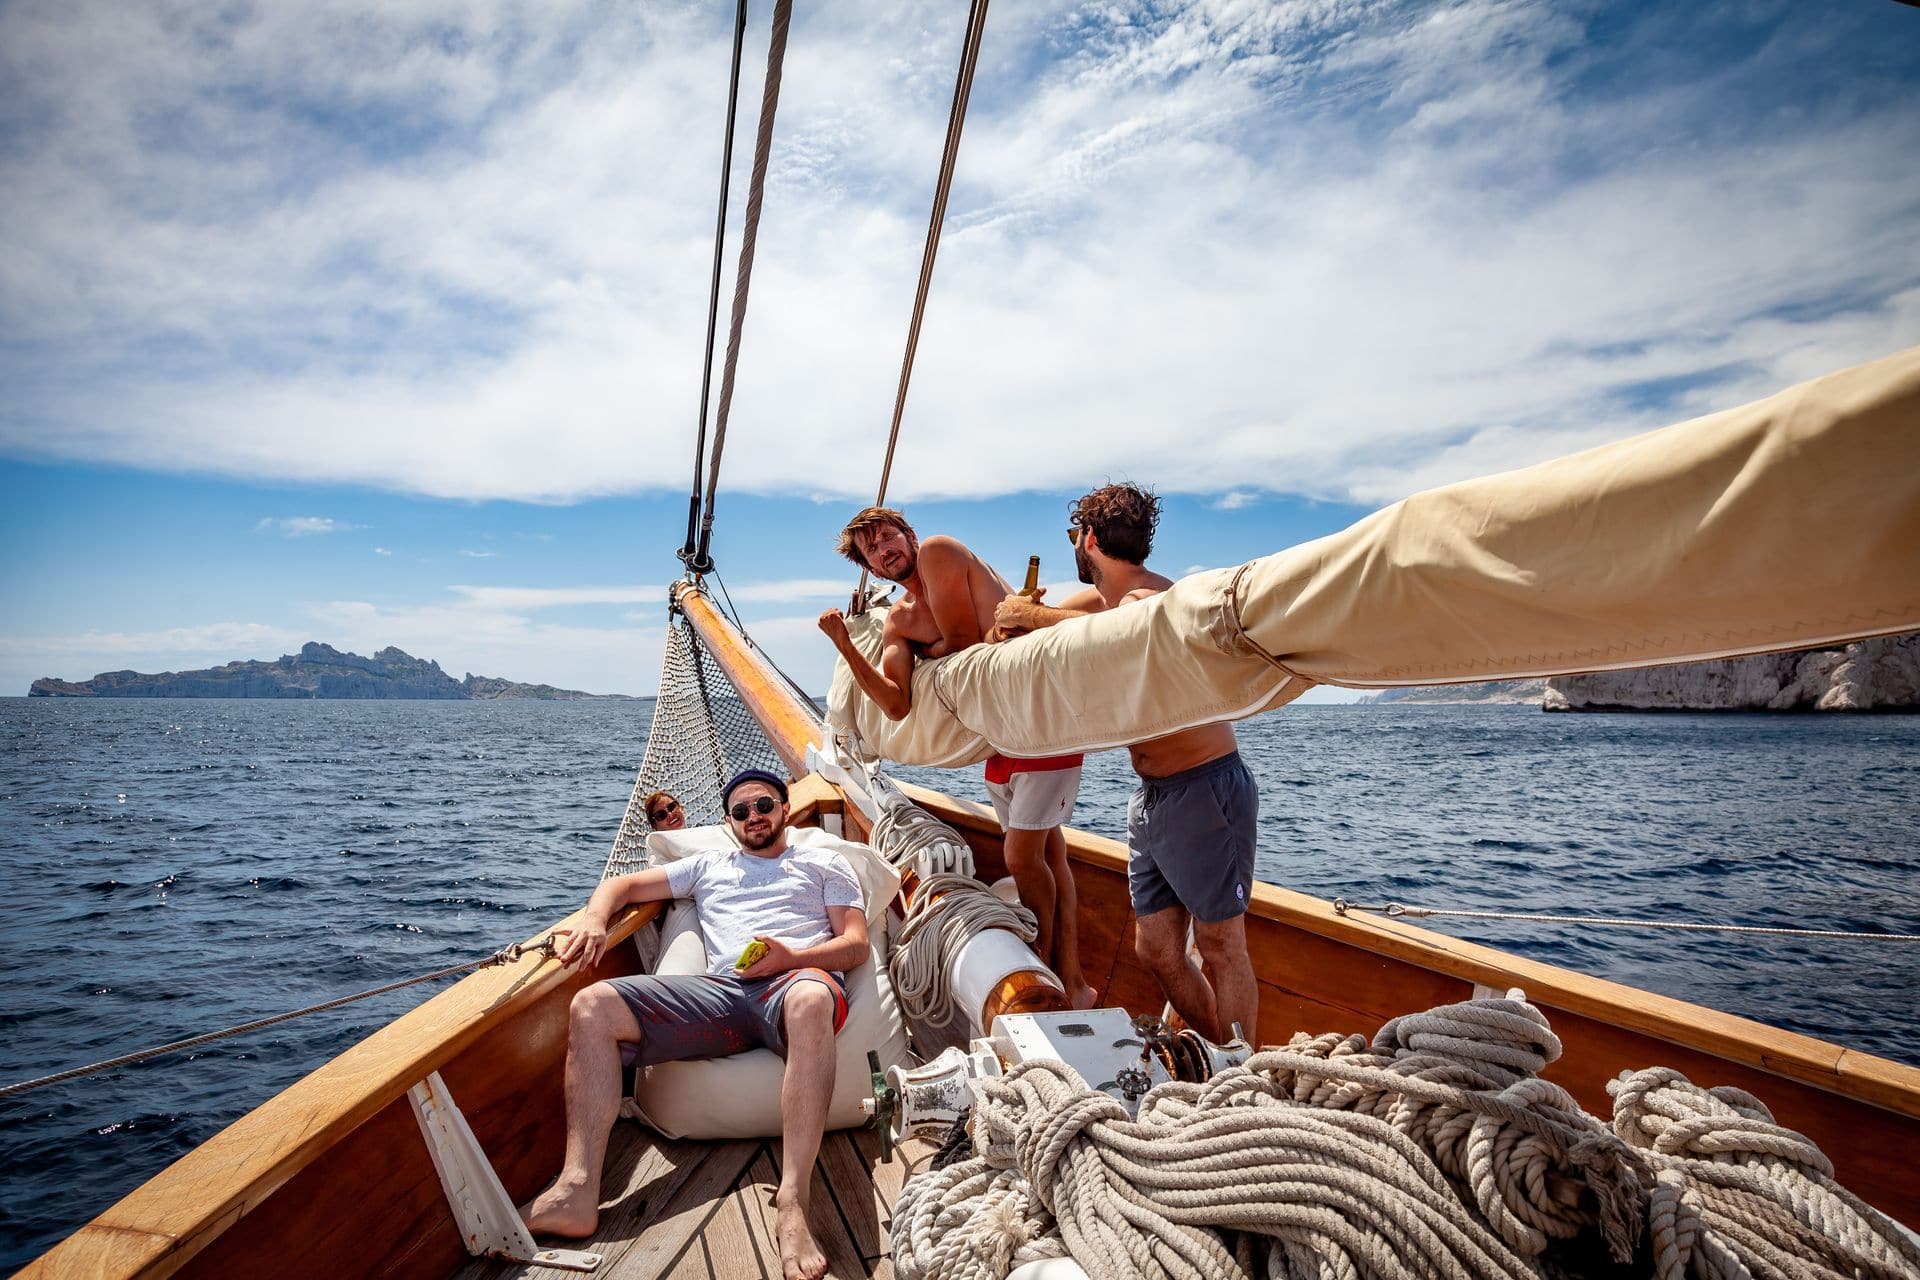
x,y
948,606
1190,824
804,906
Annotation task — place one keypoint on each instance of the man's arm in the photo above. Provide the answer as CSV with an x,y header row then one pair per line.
x,y
847,949
944,567
890,687
1017,615
587,941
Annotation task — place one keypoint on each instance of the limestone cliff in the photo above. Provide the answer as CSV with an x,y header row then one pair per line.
x,y
1871,675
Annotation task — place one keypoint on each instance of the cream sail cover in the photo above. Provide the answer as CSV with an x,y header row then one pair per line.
x,y
1787,523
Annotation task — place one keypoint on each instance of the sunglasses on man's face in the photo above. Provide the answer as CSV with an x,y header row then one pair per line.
x,y
670,807
762,805
1073,534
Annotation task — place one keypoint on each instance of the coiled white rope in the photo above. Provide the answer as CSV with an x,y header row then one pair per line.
x,y
947,911
1738,1195
1435,1150
912,839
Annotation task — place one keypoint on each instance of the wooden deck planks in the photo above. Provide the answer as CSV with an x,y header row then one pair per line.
x,y
704,1211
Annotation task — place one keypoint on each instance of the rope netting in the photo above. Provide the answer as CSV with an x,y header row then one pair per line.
x,y
702,734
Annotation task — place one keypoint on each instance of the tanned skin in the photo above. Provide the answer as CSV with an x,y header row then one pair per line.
x,y
1211,1001
599,1022
951,594
950,598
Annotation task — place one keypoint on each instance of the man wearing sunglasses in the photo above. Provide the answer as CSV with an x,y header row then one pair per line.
x,y
1190,824
804,906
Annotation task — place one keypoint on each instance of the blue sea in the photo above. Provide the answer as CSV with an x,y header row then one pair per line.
x,y
177,866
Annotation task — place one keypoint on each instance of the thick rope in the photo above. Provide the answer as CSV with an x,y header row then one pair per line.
x,y
914,840
1434,1150
1398,910
689,550
932,936
936,220
504,956
1739,1195
749,238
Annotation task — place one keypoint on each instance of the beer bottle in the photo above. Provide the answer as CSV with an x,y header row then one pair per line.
x,y
1032,590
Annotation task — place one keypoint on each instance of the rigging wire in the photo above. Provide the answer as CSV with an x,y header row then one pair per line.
x,y
506,955
687,551
733,615
1398,910
943,186
749,236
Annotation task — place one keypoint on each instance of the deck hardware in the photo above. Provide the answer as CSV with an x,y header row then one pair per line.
x,y
882,1106
488,1221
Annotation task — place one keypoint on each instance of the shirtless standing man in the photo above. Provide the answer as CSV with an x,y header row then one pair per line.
x,y
950,597
1190,824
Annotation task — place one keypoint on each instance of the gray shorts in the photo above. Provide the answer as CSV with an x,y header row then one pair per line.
x,y
705,1015
1190,841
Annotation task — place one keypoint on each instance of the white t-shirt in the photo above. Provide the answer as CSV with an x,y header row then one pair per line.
x,y
739,896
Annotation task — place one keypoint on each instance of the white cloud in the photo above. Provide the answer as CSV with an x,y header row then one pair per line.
x,y
1328,248
534,598
479,555
1235,500
303,526
382,551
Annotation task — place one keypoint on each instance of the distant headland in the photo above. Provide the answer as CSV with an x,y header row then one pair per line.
x,y
317,671
1871,675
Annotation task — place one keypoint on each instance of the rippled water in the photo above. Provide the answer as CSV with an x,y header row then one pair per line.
x,y
173,867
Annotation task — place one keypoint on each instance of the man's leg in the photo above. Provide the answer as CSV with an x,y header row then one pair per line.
x,y
1066,936
1027,863
805,1091
1236,995
1160,941
598,1022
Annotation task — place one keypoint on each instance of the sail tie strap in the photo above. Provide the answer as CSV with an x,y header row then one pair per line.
x,y
1398,910
506,955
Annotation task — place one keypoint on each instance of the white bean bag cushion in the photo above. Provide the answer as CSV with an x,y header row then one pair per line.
x,y
739,1097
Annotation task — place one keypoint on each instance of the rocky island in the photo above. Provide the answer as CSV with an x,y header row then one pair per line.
x,y
1870,675
317,671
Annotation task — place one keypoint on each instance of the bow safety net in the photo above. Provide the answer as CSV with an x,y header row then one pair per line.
x,y
702,734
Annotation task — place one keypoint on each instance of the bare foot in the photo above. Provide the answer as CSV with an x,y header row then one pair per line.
x,y
567,1208
800,1257
1082,996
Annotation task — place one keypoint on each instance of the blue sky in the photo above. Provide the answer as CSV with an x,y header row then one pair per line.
x,y
381,325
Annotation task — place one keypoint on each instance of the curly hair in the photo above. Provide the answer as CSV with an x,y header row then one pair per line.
x,y
871,518
1123,517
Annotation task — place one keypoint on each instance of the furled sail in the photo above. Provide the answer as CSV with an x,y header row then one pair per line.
x,y
1784,524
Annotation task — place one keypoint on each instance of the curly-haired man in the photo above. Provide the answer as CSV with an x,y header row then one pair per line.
x,y
1190,824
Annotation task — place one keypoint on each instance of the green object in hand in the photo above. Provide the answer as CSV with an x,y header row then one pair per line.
x,y
751,955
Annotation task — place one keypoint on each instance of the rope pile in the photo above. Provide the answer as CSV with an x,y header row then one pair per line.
x,y
1435,1150
1737,1195
947,911
912,839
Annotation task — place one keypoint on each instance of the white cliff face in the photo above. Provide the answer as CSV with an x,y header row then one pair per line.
x,y
1872,675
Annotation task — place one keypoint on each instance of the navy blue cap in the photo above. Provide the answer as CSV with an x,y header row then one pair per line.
x,y
754,775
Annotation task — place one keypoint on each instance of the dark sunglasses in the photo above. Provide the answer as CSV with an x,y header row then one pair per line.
x,y
660,814
1073,534
761,805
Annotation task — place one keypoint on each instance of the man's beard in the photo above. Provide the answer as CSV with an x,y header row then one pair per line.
x,y
1084,563
913,563
751,841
